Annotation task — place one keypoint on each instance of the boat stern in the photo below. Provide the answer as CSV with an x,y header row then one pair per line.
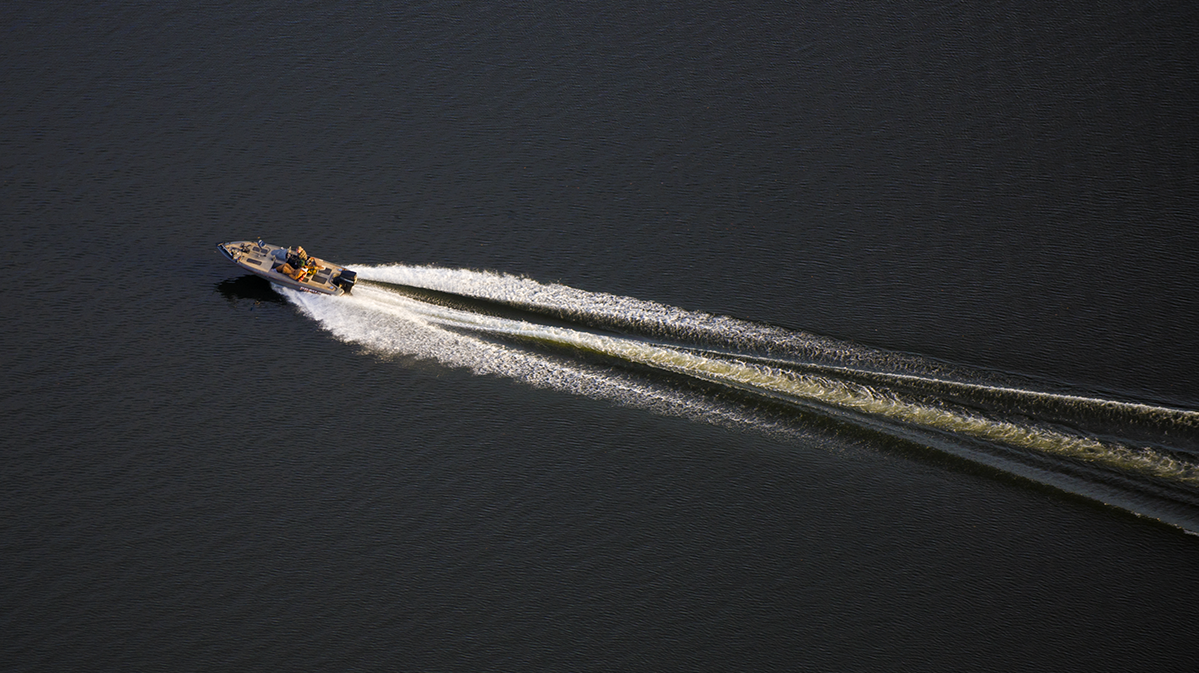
x,y
345,280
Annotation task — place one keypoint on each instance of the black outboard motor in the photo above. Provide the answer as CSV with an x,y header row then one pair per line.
x,y
346,280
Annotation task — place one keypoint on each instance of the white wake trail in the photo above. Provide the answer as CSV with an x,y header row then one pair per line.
x,y
386,323
897,394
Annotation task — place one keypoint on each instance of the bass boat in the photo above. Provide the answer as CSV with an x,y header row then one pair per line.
x,y
289,267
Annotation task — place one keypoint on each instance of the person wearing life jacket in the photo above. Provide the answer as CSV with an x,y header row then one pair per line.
x,y
295,265
297,258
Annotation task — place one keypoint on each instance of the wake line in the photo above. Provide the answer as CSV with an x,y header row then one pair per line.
x,y
508,307
392,313
846,395
1170,413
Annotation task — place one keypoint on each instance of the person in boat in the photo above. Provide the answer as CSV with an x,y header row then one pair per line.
x,y
297,264
297,258
290,271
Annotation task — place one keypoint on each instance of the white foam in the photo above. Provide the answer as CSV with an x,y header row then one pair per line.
x,y
391,323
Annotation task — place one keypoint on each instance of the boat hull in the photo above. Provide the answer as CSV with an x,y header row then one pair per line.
x,y
271,261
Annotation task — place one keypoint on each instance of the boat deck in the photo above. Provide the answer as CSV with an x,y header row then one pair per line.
x,y
267,260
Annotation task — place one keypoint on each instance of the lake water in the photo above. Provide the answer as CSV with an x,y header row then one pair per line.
x,y
771,337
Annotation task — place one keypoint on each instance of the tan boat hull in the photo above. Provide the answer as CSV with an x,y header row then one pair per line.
x,y
266,260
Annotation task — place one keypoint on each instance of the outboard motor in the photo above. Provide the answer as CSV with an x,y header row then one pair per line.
x,y
346,280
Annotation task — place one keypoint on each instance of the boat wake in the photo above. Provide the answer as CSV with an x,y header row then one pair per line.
x,y
1140,457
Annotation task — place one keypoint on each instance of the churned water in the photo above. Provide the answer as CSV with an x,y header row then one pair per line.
x,y
828,378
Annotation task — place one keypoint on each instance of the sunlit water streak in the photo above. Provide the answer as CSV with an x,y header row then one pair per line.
x,y
814,372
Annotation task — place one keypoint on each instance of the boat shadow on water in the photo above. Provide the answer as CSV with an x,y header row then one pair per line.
x,y
249,287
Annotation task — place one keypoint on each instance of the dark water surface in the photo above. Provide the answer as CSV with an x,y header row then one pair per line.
x,y
200,473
